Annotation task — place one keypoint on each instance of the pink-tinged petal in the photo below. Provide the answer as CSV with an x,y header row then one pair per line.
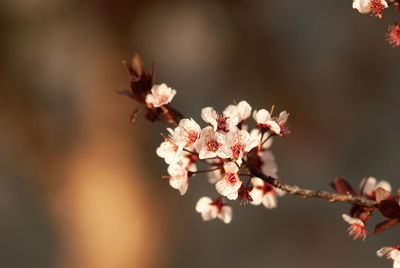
x,y
204,154
261,116
257,196
230,167
273,126
368,185
351,220
203,204
226,214
383,251
244,110
283,116
232,196
270,201
223,187
362,5
208,114
209,214
384,185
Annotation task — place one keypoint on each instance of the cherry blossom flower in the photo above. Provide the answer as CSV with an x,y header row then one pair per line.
x,y
219,123
211,144
368,186
357,227
160,95
393,35
265,193
188,132
238,143
178,178
373,6
169,150
229,184
265,121
242,111
210,209
391,253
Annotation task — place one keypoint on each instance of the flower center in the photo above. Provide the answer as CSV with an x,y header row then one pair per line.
x,y
162,99
393,35
213,145
237,149
376,7
192,136
221,123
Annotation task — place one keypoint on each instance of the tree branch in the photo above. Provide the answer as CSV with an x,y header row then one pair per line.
x,y
306,193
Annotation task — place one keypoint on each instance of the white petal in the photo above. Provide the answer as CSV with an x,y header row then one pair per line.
x,y
383,251
270,201
210,213
244,110
208,114
230,167
362,5
384,185
226,214
203,204
232,196
369,184
257,181
273,126
257,196
223,187
351,220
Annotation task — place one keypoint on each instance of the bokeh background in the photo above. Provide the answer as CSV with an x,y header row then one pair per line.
x,y
81,187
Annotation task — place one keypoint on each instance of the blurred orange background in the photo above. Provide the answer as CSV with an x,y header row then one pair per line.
x,y
81,187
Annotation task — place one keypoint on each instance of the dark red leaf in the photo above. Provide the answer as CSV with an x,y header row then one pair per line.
x,y
389,209
383,226
343,187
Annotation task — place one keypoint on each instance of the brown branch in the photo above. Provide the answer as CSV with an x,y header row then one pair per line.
x,y
306,193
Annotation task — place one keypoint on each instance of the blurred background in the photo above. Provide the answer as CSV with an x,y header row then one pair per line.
x,y
81,187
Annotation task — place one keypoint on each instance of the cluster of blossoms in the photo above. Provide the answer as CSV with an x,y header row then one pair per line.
x,y
225,146
388,205
239,162
375,7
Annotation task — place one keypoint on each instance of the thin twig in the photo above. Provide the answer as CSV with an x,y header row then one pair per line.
x,y
306,193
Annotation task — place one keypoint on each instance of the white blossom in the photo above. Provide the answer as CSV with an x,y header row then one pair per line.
x,y
229,184
160,95
210,209
218,122
265,193
188,132
178,178
238,142
242,111
391,253
357,227
211,144
169,151
364,6
264,119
